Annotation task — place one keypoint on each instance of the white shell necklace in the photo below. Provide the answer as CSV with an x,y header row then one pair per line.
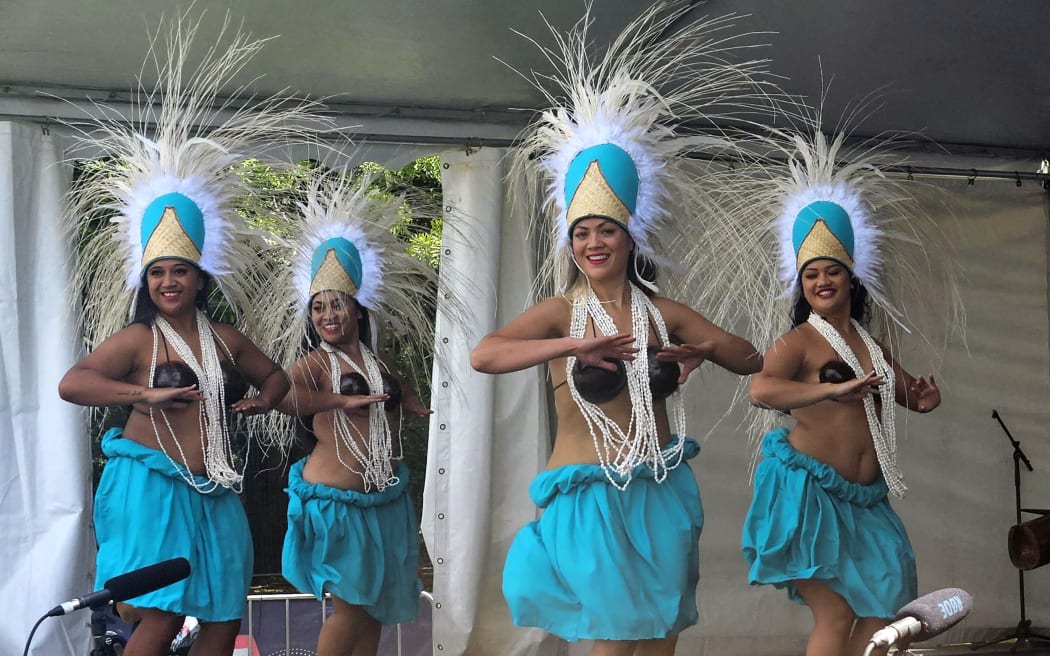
x,y
621,450
883,433
375,459
214,431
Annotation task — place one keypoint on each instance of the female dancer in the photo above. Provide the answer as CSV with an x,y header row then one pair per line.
x,y
820,523
352,528
169,488
170,484
614,557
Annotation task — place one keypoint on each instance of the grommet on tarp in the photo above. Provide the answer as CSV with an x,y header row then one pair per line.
x,y
1018,178
909,177
970,180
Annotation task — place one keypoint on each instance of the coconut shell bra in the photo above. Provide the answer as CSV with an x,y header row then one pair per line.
x,y
179,374
354,384
598,385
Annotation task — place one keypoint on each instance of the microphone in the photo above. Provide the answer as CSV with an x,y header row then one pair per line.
x,y
126,586
926,617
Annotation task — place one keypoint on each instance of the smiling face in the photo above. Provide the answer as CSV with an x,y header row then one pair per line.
x,y
334,316
826,286
173,285
601,247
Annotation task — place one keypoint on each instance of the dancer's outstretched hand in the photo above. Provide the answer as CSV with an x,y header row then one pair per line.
x,y
688,356
358,403
413,406
595,351
858,388
164,398
927,394
251,406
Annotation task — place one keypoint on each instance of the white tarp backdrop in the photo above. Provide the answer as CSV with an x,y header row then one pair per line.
x,y
957,461
45,473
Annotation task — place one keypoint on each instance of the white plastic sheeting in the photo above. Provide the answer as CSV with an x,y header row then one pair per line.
x,y
45,472
488,444
489,435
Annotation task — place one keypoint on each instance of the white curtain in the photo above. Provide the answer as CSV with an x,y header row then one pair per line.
x,y
487,445
489,435
45,473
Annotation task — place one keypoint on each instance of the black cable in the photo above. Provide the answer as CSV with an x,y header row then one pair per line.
x,y
25,652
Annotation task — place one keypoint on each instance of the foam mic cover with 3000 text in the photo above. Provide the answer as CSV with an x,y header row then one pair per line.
x,y
926,617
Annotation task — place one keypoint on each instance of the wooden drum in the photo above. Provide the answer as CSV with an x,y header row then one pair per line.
x,y
1030,543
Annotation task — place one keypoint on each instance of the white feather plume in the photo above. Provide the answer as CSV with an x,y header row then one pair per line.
x,y
398,289
903,257
666,89
182,137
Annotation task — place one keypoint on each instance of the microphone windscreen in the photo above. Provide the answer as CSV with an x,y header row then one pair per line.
x,y
938,611
147,579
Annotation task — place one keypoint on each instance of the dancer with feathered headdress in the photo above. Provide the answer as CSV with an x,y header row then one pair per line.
x,y
612,155
170,485
847,237
352,528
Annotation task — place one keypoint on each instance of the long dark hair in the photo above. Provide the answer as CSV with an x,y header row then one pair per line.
x,y
146,310
859,304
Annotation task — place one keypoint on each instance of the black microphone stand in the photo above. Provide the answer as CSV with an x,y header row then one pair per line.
x,y
1023,632
101,643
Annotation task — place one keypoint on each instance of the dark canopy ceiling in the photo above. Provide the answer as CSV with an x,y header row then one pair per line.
x,y
967,73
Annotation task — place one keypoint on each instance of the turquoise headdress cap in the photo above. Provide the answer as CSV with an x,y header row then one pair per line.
x,y
601,181
822,229
172,226
335,265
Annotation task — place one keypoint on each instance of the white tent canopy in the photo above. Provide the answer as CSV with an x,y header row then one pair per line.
x,y
421,77
966,75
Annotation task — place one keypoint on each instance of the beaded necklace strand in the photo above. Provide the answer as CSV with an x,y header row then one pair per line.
x,y
214,430
621,450
883,433
376,471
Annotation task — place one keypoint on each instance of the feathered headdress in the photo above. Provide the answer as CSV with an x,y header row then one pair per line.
x,y
832,199
620,142
343,239
827,213
170,188
620,138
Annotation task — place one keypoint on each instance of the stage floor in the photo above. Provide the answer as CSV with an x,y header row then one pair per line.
x,y
1041,649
